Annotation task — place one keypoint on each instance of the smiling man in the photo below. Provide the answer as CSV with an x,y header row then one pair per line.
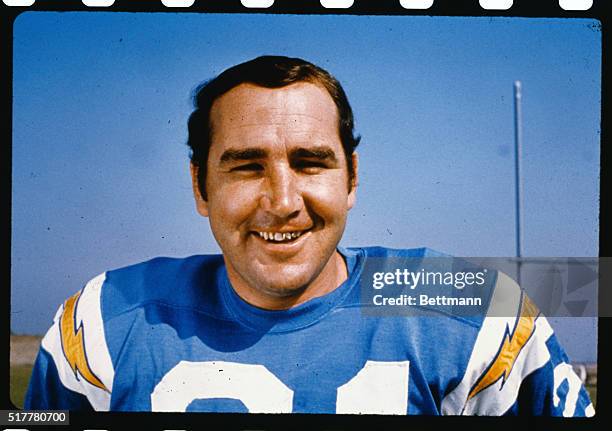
x,y
278,189
276,323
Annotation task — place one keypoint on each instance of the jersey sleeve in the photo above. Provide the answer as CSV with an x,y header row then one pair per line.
x,y
46,390
554,389
73,369
517,366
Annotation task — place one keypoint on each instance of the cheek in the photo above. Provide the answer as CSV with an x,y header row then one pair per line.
x,y
231,205
328,198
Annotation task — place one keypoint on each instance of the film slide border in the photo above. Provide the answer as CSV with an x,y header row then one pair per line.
x,y
10,9
526,8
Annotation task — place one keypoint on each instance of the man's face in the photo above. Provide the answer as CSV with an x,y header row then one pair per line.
x,y
277,190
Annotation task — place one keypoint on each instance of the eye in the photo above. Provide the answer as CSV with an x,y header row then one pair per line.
x,y
249,167
310,166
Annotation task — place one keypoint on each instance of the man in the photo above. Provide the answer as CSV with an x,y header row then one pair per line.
x,y
276,324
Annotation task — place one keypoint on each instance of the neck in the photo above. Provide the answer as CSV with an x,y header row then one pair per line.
x,y
329,279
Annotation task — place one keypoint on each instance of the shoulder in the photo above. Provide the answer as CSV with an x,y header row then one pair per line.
x,y
82,342
176,282
515,357
435,283
76,345
496,366
511,352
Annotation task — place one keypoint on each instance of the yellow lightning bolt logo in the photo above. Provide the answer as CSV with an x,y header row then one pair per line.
x,y
511,346
73,345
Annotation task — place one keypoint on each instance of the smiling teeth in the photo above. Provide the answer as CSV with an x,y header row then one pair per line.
x,y
278,236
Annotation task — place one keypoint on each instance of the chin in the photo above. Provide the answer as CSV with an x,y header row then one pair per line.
x,y
284,285
283,288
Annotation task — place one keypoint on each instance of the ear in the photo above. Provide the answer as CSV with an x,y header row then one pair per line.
x,y
201,204
354,182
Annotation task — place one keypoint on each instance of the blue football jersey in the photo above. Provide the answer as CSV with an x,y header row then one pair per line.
x,y
172,335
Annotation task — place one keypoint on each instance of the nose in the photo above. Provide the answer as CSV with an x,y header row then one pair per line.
x,y
282,196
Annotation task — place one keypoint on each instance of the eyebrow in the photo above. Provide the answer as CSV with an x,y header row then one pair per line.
x,y
320,152
232,155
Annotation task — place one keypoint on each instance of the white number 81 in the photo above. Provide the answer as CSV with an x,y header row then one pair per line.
x,y
378,388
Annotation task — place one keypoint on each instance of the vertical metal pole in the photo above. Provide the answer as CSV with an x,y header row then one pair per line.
x,y
518,184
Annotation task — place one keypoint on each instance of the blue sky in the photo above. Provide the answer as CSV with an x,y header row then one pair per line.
x,y
100,165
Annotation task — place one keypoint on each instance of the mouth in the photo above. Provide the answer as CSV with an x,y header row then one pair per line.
x,y
280,237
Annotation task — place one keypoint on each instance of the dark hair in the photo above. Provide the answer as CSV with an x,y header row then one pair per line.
x,y
270,72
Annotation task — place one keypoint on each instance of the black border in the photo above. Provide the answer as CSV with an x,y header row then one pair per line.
x,y
161,421
522,8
